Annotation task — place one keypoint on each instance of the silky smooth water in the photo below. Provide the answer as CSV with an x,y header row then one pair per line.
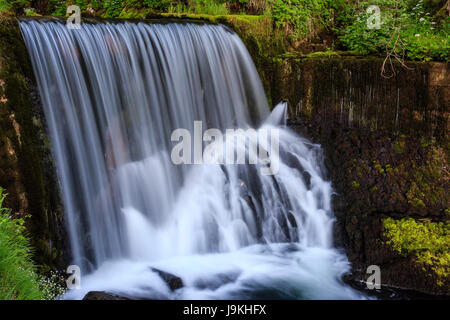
x,y
112,94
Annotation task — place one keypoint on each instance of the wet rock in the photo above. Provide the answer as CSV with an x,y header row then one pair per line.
x,y
389,292
172,281
101,295
307,179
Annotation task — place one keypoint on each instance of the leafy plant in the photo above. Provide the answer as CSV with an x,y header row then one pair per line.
x,y
305,17
57,7
113,8
406,30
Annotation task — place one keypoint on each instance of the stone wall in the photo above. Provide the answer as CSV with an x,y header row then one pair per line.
x,y
387,149
351,91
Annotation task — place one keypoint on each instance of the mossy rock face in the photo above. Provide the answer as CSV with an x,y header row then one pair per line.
x,y
387,149
373,182
27,172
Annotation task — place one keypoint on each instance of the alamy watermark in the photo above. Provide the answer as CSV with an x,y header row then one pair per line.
x,y
374,280
74,279
235,146
374,20
74,19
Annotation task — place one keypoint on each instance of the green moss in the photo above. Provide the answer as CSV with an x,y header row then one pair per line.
x,y
133,13
418,203
399,146
379,168
426,142
428,242
323,54
429,181
253,20
31,13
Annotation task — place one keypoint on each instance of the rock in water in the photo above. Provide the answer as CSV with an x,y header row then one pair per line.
x,y
171,280
101,295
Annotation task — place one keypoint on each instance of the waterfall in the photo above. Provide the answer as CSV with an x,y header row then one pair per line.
x,y
113,93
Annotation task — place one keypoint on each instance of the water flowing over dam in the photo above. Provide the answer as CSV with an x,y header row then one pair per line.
x,y
113,93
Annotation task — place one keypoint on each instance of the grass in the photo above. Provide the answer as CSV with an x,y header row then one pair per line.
x,y
200,7
18,279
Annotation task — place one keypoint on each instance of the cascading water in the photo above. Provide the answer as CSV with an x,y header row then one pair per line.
x,y
113,94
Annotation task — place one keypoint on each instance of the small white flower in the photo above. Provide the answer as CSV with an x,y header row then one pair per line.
x,y
417,35
421,19
433,22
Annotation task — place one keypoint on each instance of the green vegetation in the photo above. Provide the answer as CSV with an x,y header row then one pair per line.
x,y
19,3
4,5
428,242
306,18
408,29
18,277
125,8
213,7
14,5
31,13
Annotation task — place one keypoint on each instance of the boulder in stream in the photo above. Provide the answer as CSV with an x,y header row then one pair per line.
x,y
101,295
172,281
